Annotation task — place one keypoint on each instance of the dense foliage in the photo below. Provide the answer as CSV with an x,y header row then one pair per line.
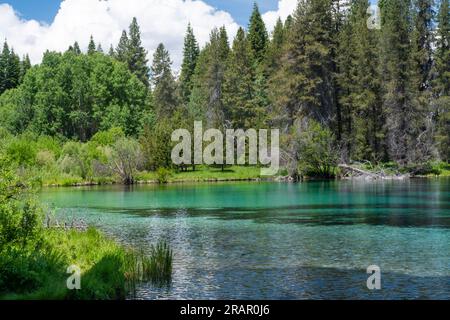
x,y
74,96
378,95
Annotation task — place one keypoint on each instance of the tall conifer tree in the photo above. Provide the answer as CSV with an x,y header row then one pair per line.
x,y
136,54
303,86
91,46
359,87
25,65
121,52
441,82
163,83
207,94
398,90
257,34
76,48
238,89
191,52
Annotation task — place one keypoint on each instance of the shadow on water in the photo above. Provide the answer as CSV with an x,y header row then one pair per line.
x,y
401,215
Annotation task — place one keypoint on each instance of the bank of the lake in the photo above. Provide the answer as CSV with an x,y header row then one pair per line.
x,y
71,264
201,174
44,257
228,174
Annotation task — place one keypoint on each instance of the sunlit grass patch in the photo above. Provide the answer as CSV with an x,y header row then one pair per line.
x,y
204,173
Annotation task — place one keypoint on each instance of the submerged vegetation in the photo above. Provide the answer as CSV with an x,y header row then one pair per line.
x,y
35,254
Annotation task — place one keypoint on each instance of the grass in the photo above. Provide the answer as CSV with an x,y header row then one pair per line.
x,y
205,174
67,180
108,270
162,175
158,269
440,169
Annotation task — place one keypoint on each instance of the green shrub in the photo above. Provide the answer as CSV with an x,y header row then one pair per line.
x,y
423,169
50,144
106,138
45,158
317,154
157,145
77,159
163,175
21,152
124,158
4,133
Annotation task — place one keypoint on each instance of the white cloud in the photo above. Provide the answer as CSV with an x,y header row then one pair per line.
x,y
285,8
160,21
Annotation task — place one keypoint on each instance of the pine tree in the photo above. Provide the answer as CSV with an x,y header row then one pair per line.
x,y
219,50
163,83
288,23
137,55
200,90
111,52
257,34
91,47
358,87
76,48
9,69
422,41
13,70
238,89
367,92
4,57
121,53
275,48
398,92
191,52
441,81
206,101
99,48
223,44
25,65
420,60
303,86
346,88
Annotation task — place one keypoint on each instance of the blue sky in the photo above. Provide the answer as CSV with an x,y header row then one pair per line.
x,y
45,10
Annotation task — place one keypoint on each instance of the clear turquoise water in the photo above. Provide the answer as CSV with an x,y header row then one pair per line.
x,y
281,241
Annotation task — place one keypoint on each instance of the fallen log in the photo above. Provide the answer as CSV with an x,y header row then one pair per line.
x,y
353,172
357,170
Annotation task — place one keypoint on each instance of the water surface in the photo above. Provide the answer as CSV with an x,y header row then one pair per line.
x,y
281,241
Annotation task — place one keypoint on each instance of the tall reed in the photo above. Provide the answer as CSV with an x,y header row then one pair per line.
x,y
155,268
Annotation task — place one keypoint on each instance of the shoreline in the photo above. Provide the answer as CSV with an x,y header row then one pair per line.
x,y
222,180
155,182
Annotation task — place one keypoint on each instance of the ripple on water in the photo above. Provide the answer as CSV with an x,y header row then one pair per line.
x,y
282,241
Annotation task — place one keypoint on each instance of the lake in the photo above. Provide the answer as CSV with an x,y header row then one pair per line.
x,y
310,240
